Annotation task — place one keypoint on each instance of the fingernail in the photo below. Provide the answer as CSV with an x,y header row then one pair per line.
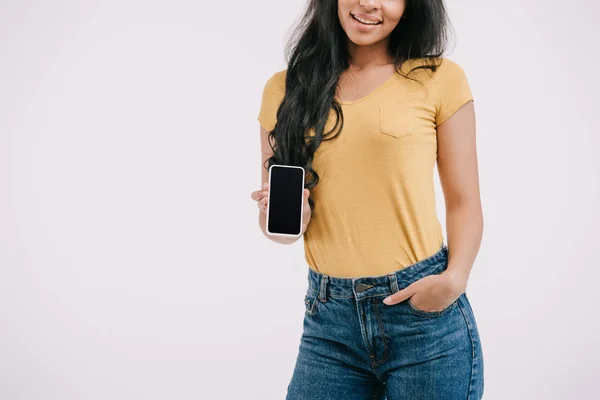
x,y
387,300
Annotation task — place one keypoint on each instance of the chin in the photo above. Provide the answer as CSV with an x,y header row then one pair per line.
x,y
362,41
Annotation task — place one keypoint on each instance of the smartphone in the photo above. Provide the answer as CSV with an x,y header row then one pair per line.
x,y
284,205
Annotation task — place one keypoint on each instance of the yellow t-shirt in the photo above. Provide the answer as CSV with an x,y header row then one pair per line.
x,y
375,206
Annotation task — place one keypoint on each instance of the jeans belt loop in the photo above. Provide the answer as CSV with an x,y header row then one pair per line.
x,y
393,282
323,288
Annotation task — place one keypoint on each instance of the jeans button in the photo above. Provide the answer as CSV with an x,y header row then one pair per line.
x,y
361,287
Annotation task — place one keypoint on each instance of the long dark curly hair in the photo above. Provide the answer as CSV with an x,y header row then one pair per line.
x,y
317,54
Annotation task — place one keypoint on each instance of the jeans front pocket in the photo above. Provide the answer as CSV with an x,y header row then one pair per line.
x,y
417,311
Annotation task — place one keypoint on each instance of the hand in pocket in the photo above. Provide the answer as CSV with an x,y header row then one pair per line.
x,y
429,294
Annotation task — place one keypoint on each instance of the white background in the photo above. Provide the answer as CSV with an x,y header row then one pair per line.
x,y
132,265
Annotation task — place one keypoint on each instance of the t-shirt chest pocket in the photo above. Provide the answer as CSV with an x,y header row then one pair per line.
x,y
397,121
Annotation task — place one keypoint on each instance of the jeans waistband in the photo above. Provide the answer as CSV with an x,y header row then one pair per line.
x,y
369,286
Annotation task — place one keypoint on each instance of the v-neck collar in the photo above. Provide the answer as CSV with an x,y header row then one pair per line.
x,y
371,93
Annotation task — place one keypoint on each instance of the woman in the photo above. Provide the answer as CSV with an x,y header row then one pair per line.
x,y
367,106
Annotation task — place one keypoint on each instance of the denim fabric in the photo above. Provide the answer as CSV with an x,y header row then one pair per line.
x,y
355,347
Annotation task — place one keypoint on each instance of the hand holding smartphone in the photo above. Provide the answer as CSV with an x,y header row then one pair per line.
x,y
286,201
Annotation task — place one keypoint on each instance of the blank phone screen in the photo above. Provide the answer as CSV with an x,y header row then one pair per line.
x,y
285,200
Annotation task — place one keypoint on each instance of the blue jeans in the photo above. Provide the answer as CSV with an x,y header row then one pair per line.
x,y
355,347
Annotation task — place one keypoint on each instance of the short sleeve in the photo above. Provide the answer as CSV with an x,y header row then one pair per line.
x,y
272,96
453,89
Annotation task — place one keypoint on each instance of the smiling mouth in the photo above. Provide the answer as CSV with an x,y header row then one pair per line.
x,y
364,23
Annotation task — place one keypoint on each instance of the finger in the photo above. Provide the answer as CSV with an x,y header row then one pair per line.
x,y
261,206
306,207
306,195
399,296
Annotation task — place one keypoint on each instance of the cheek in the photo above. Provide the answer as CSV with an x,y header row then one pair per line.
x,y
343,14
392,12
391,20
390,25
344,6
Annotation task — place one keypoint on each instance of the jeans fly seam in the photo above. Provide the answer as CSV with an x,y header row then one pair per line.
x,y
385,342
363,335
362,330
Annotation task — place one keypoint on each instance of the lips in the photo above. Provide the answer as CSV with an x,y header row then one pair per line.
x,y
365,17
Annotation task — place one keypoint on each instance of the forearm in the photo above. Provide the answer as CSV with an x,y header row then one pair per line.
x,y
464,226
262,220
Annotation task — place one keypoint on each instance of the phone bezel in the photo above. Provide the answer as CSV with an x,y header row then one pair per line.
x,y
269,202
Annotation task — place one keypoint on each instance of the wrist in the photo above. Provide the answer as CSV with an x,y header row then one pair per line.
x,y
456,279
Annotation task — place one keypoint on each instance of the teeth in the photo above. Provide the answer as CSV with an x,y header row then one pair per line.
x,y
365,21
